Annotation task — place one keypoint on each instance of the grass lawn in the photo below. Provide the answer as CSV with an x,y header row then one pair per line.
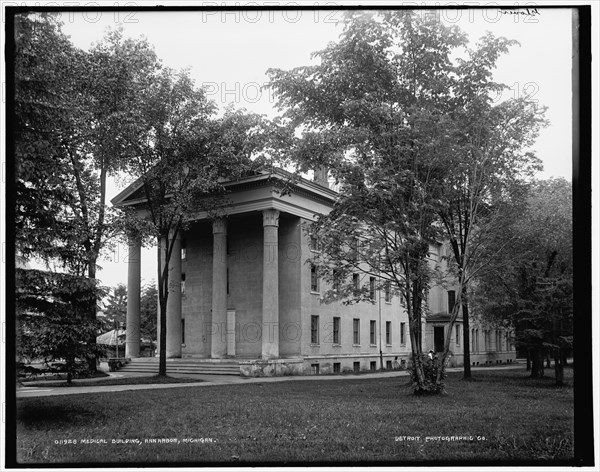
x,y
153,379
505,415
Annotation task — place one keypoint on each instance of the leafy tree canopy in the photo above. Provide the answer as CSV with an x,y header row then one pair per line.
x,y
400,112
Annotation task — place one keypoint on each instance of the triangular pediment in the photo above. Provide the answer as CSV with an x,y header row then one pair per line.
x,y
134,193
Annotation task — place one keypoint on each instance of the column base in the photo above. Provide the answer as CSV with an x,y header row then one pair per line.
x,y
133,351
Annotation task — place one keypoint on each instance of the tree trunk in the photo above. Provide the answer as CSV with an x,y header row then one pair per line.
x,y
528,368
417,365
92,361
414,326
453,316
537,365
558,368
564,356
466,338
162,342
163,293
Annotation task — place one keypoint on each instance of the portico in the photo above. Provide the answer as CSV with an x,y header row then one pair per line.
x,y
235,310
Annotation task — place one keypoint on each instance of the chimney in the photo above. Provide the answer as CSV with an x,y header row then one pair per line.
x,y
321,176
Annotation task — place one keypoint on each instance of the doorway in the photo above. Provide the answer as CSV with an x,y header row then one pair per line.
x,y
438,338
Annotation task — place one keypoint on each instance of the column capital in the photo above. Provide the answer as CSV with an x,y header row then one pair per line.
x,y
270,217
219,225
134,239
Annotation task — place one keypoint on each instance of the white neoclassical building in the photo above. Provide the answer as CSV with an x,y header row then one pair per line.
x,y
248,294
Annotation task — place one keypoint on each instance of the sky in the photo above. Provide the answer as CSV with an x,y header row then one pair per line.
x,y
228,54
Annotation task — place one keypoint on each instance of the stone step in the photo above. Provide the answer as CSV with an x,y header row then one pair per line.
x,y
190,360
184,362
186,366
183,366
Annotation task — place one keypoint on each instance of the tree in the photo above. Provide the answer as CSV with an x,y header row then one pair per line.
x,y
148,311
182,157
43,98
116,307
48,101
375,112
531,285
74,126
486,166
53,321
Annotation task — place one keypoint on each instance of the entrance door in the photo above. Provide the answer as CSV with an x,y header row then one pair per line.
x,y
231,332
438,338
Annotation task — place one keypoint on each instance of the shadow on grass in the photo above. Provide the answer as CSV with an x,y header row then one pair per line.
x,y
40,416
469,379
524,379
107,381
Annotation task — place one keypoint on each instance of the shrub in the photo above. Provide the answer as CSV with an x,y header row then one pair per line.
x,y
431,369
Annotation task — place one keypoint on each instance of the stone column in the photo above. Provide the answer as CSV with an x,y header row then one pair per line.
x,y
218,345
132,337
174,302
270,309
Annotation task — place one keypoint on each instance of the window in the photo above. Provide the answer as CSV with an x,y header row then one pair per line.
x,y
337,367
498,341
183,254
314,279
372,330
388,292
356,366
183,284
336,330
457,329
388,333
336,277
507,341
372,288
373,366
388,365
356,283
437,255
486,339
451,300
402,335
314,329
356,331
183,331
315,369
477,340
